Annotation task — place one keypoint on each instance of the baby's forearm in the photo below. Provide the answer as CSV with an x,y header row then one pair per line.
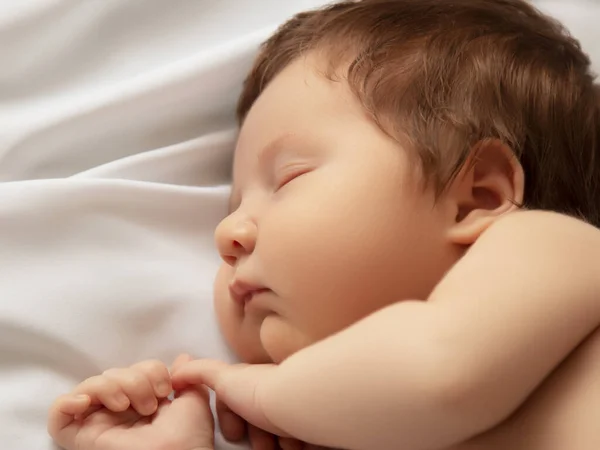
x,y
426,375
379,384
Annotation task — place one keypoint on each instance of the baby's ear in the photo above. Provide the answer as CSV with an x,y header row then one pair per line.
x,y
490,184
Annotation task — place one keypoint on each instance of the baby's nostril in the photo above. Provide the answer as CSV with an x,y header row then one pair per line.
x,y
237,245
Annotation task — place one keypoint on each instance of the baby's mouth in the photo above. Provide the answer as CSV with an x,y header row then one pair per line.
x,y
242,292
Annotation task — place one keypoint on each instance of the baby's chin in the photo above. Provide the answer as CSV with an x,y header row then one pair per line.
x,y
256,340
280,339
243,339
270,340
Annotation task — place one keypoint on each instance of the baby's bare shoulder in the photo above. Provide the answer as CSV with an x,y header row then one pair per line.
x,y
562,413
544,224
541,234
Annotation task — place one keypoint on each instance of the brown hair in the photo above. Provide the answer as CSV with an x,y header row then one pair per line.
x,y
443,76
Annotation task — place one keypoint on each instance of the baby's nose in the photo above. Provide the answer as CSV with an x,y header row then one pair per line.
x,y
235,237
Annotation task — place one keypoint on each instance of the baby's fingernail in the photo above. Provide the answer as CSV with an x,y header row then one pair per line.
x,y
122,399
163,388
150,406
81,398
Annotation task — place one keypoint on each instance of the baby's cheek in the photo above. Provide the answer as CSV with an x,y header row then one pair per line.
x,y
281,339
223,310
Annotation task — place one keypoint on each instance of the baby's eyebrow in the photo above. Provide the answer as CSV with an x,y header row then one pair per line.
x,y
267,152
276,145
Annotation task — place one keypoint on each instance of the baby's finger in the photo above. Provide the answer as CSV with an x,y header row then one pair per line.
x,y
158,375
180,361
260,439
136,387
232,426
73,404
104,391
64,410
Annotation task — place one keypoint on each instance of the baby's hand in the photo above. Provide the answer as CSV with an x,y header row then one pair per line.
x,y
128,409
139,386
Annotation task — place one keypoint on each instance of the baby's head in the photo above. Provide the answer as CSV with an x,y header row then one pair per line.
x,y
379,140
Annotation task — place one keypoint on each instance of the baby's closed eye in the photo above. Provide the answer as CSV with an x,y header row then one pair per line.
x,y
289,173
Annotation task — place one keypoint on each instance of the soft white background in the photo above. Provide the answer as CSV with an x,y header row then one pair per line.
x,y
116,132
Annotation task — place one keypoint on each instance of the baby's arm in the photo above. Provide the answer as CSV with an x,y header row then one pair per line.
x,y
426,375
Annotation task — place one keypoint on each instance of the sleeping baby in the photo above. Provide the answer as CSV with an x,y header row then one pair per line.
x,y
411,255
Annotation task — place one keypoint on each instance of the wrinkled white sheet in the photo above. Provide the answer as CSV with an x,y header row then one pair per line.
x,y
116,132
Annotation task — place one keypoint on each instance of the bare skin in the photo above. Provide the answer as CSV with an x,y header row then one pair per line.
x,y
127,408
563,413
519,353
411,361
559,415
535,365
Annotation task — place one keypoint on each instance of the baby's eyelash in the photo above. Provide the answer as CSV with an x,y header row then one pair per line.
x,y
289,175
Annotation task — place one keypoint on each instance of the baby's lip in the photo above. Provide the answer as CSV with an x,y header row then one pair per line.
x,y
242,291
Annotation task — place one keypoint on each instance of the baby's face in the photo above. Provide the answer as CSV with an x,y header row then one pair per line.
x,y
328,221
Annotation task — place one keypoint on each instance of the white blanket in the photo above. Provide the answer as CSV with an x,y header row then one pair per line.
x,y
116,133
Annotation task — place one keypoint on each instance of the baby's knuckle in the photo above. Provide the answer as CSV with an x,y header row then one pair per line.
x,y
153,366
123,377
111,373
90,380
133,378
92,383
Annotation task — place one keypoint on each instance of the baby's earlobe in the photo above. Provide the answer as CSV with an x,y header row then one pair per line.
x,y
490,185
